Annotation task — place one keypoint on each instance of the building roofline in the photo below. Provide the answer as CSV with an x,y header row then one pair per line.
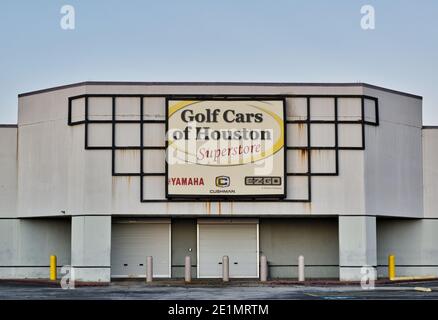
x,y
429,127
8,125
261,84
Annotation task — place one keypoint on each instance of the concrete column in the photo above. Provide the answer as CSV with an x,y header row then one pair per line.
x,y
91,248
357,247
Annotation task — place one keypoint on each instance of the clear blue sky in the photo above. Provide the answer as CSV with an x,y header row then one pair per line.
x,y
219,40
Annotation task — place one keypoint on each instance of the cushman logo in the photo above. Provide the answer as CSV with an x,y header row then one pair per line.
x,y
186,181
222,181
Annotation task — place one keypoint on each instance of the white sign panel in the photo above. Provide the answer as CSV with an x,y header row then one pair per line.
x,y
225,148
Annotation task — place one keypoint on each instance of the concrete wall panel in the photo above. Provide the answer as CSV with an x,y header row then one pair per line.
x,y
430,172
9,231
412,241
283,240
58,174
8,172
183,244
393,157
91,248
26,246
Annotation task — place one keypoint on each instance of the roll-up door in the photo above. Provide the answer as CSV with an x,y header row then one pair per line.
x,y
134,240
237,239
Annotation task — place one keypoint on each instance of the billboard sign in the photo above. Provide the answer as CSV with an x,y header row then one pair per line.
x,y
224,148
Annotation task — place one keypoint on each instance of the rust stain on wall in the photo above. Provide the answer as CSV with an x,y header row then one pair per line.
x,y
113,184
302,132
208,207
129,181
303,154
308,207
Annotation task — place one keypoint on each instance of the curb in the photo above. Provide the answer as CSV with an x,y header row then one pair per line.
x,y
51,283
207,283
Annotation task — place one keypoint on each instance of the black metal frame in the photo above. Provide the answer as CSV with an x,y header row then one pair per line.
x,y
308,149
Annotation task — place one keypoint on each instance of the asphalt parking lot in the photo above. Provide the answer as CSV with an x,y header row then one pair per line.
x,y
141,291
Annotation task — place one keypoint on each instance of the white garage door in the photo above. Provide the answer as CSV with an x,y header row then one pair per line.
x,y
132,242
236,239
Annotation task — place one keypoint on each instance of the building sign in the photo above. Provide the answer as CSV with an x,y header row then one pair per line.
x,y
225,148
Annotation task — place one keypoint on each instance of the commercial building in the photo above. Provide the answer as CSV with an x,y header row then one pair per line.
x,y
352,178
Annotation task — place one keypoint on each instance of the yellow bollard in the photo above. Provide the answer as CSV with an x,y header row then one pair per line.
x,y
53,268
391,267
